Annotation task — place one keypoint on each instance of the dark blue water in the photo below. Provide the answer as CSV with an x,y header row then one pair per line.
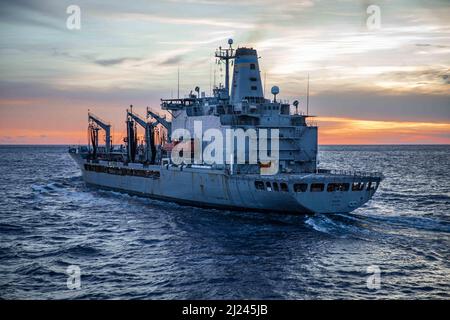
x,y
130,247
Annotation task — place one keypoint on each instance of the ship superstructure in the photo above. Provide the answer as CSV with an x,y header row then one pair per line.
x,y
268,161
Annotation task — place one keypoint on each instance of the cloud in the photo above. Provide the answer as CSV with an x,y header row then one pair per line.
x,y
234,24
382,105
334,130
112,62
33,13
446,78
128,53
91,58
175,60
246,3
224,35
431,45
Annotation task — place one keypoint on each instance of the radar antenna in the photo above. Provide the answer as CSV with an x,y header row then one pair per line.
x,y
226,55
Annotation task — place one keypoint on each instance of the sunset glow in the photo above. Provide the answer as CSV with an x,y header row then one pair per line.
x,y
384,86
354,131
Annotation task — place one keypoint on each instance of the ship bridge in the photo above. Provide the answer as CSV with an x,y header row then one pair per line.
x,y
243,105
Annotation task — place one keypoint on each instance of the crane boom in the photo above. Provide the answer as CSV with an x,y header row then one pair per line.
x,y
104,126
150,150
166,124
139,120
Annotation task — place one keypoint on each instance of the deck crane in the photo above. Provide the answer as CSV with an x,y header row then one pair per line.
x,y
161,120
150,149
99,123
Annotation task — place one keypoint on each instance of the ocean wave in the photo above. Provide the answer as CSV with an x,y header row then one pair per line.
x,y
433,224
129,247
36,269
81,251
12,228
322,223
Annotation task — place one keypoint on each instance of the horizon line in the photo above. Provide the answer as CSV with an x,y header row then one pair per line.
x,y
334,144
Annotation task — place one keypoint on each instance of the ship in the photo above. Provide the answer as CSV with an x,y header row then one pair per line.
x,y
269,163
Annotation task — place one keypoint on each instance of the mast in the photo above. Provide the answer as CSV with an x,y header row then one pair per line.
x,y
307,97
178,83
264,92
227,55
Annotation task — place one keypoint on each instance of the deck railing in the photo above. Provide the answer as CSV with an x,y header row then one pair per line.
x,y
352,173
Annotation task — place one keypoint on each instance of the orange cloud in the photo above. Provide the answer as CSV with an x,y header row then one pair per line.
x,y
334,130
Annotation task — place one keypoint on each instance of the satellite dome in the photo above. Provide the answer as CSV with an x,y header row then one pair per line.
x,y
275,90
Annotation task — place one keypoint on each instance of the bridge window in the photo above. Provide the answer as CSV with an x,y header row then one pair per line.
x,y
268,186
254,87
275,186
371,185
300,187
259,185
317,187
253,79
252,66
284,187
358,186
337,187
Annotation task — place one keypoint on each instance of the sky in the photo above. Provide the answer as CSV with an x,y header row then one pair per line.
x,y
385,83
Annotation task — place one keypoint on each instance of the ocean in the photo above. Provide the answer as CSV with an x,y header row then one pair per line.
x,y
397,246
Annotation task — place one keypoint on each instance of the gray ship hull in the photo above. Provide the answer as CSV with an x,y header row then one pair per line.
x,y
206,187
